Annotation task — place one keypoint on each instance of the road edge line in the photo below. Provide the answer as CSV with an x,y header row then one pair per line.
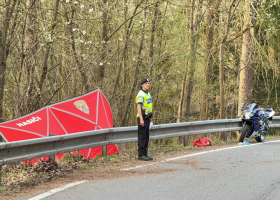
x,y
50,192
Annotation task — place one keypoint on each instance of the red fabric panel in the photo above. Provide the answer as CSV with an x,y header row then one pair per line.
x,y
112,150
93,152
105,118
97,151
35,122
17,135
33,161
71,123
54,126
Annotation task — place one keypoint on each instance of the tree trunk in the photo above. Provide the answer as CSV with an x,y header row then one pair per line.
x,y
125,49
246,65
152,38
180,108
30,50
209,71
84,79
221,70
222,65
102,65
63,63
46,56
180,112
193,24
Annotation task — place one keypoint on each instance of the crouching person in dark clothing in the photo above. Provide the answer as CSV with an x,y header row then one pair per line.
x,y
144,116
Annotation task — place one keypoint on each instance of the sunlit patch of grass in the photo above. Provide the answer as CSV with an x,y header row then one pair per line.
x,y
273,137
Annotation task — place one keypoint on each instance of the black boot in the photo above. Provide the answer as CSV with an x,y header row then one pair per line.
x,y
150,158
145,158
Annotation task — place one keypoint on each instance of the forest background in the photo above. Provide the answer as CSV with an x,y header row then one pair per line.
x,y
203,57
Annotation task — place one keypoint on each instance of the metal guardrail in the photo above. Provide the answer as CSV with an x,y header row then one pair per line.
x,y
11,152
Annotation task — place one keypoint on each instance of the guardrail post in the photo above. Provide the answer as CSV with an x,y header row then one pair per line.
x,y
51,157
104,148
186,140
224,136
104,151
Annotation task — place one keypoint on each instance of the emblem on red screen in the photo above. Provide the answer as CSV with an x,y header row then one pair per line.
x,y
82,106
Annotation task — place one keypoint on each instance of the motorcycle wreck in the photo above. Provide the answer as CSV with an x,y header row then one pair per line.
x,y
255,122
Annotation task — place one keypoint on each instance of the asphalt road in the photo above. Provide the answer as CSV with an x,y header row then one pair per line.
x,y
239,172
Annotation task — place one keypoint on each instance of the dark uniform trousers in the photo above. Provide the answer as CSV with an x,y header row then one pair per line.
x,y
143,137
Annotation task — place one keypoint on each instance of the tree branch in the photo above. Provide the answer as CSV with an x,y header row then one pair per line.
x,y
130,18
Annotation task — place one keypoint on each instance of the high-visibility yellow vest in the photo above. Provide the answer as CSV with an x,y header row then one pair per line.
x,y
147,105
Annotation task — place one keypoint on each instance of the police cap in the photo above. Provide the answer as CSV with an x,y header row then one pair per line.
x,y
144,80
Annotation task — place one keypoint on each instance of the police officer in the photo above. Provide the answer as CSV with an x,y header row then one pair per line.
x,y
144,115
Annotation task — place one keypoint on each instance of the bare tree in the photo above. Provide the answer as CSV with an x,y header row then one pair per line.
x,y
102,65
135,78
222,65
46,55
30,50
152,38
211,18
5,30
246,67
192,61
84,79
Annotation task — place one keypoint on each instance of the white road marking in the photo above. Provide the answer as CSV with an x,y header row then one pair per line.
x,y
199,153
48,193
